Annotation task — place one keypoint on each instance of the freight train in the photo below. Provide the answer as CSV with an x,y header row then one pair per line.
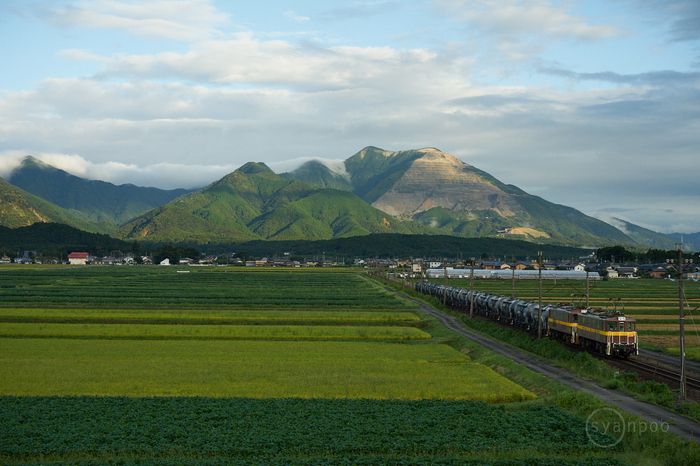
x,y
610,333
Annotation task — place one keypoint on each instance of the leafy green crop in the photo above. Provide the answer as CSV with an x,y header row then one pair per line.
x,y
204,429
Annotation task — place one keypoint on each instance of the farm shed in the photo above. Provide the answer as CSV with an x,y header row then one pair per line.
x,y
78,258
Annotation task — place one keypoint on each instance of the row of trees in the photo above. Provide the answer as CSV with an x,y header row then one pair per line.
x,y
652,256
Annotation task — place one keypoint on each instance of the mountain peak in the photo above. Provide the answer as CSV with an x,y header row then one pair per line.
x,y
32,162
252,168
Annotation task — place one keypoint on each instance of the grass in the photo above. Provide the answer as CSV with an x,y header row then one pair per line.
x,y
210,332
256,369
690,353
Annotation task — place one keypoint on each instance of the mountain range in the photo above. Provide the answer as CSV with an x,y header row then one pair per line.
x,y
92,200
423,191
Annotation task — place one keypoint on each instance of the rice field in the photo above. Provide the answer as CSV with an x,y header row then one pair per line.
x,y
210,332
142,365
109,331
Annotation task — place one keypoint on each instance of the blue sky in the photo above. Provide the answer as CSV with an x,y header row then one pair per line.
x,y
591,104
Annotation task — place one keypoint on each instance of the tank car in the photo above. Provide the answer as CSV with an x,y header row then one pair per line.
x,y
596,330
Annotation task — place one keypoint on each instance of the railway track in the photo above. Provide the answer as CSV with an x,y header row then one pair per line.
x,y
656,370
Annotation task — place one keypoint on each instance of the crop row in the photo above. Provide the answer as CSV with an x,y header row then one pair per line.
x,y
203,287
370,460
210,332
104,427
207,315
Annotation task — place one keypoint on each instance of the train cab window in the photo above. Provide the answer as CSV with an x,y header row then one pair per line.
x,y
575,316
612,326
630,326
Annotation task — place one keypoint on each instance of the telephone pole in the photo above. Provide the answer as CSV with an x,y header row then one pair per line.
x,y
682,320
539,308
444,297
471,291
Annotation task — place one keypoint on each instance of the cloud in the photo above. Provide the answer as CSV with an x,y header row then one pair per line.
x,y
163,175
652,78
295,17
680,18
250,61
337,166
185,20
360,10
80,55
514,18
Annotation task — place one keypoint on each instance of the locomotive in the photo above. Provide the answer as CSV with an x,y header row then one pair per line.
x,y
610,333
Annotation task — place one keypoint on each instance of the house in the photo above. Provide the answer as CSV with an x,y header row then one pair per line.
x,y
495,265
576,266
627,272
5,260
165,261
518,266
104,261
657,272
78,258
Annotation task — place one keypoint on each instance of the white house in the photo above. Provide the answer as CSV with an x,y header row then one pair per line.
x,y
78,258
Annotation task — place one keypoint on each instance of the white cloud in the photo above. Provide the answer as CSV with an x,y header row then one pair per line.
x,y
186,20
80,55
162,175
247,60
295,17
521,30
517,17
337,166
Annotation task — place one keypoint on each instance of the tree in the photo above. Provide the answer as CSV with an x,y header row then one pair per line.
x,y
614,254
166,252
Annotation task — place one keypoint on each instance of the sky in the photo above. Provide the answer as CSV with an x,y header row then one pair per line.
x,y
591,104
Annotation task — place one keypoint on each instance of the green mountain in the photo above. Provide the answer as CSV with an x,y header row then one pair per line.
x,y
19,209
689,240
255,203
93,200
437,190
647,237
317,174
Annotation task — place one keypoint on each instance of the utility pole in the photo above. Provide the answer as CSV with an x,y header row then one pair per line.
x,y
682,320
512,286
539,308
587,288
444,297
471,291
